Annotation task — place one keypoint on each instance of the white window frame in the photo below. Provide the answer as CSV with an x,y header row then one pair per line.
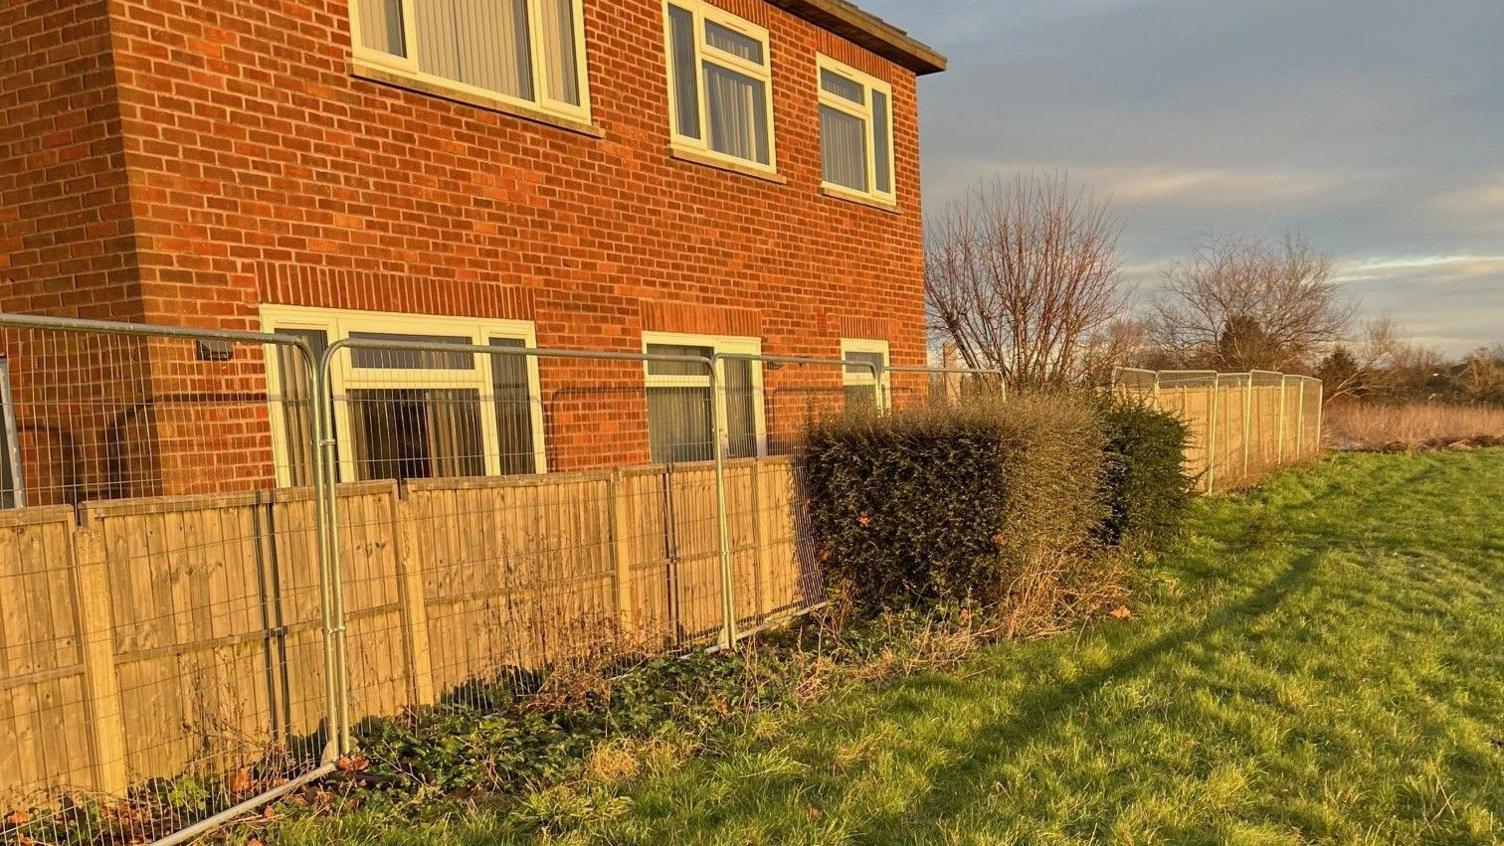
x,y
702,12
338,324
12,454
407,66
864,111
865,378
721,344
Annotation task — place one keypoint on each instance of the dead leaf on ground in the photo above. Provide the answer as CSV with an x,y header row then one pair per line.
x,y
1121,613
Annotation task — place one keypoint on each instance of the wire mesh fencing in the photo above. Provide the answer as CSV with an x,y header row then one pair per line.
x,y
163,627
1243,426
927,387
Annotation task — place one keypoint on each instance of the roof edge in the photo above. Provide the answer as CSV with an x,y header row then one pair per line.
x,y
870,31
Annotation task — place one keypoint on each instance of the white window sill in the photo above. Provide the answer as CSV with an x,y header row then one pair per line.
x,y
837,193
370,71
698,157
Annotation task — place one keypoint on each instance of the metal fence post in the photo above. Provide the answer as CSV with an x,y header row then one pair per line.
x,y
326,514
1247,422
1211,435
1300,424
1320,411
723,521
1283,413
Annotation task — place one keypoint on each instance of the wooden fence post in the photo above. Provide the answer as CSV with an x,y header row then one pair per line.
x,y
101,683
621,546
412,600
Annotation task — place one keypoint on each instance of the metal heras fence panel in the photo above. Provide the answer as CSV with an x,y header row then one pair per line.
x,y
916,387
165,632
504,513
1242,426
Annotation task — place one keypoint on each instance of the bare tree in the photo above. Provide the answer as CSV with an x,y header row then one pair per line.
x,y
1240,304
1020,274
1368,364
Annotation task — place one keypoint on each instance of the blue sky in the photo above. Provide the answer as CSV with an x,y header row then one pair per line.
x,y
1376,127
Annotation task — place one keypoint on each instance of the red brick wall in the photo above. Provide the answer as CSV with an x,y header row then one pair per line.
x,y
67,249
262,171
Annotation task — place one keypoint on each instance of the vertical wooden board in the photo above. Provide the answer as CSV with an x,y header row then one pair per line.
x,y
648,565
44,739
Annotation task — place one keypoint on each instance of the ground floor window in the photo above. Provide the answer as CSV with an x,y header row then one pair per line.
x,y
12,492
410,414
679,398
860,382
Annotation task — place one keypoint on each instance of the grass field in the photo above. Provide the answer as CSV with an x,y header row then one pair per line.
x,y
1320,664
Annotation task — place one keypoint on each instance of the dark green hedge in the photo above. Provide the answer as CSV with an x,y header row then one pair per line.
x,y
952,504
1145,487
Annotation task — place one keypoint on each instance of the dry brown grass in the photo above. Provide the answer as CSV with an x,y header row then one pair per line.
x,y
1411,425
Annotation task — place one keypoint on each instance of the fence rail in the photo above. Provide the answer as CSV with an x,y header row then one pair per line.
x,y
1244,426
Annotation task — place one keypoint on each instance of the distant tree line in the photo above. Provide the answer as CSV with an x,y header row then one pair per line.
x,y
1025,275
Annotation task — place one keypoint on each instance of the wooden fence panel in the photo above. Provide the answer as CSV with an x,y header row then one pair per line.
x,y
187,589
515,572
45,741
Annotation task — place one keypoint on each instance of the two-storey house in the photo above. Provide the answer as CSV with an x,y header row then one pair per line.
x,y
627,175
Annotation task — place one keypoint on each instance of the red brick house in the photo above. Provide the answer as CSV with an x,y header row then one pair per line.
x,y
629,175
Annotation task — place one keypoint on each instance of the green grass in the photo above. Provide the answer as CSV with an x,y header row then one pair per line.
x,y
1323,662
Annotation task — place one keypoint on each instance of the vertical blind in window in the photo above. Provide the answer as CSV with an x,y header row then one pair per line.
x,y
478,42
680,421
486,44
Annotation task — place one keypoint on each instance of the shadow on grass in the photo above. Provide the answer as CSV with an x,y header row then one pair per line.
x,y
1036,716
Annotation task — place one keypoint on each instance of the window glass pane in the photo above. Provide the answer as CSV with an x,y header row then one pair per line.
x,y
558,50
842,87
730,41
379,359
416,433
843,146
882,141
738,114
9,472
686,76
514,409
478,42
297,402
741,410
381,26
866,358
861,396
679,425
676,368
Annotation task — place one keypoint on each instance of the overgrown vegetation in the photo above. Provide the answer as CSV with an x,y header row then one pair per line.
x,y
1146,490
1397,427
1316,664
983,503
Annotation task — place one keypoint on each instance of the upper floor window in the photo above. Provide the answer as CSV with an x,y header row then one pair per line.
x,y
720,84
530,52
856,132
